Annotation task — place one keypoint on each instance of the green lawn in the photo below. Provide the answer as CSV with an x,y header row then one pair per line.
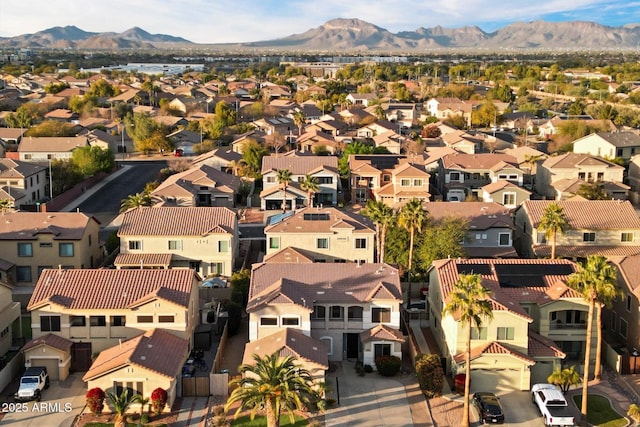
x,y
600,413
259,421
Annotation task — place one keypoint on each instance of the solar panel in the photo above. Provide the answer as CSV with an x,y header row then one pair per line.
x,y
483,269
316,217
529,275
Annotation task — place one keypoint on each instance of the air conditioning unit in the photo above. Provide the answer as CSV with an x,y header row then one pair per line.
x,y
211,312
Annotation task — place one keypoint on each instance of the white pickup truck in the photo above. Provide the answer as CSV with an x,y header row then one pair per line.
x,y
552,405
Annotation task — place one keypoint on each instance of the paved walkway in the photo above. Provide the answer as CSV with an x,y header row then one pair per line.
x,y
193,412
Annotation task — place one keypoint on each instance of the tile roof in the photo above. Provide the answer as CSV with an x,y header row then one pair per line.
x,y
540,346
501,185
577,160
190,181
588,214
383,333
177,221
50,340
27,225
85,288
481,215
299,165
288,342
290,255
156,350
142,259
493,348
621,139
17,169
583,251
484,161
336,219
51,144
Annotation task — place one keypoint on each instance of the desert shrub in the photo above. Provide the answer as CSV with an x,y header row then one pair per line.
x,y
95,400
430,374
388,366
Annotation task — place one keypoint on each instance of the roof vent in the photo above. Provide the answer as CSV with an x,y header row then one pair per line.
x,y
320,292
348,293
143,357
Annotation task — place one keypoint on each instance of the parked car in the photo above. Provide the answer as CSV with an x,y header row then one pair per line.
x,y
32,383
552,405
488,406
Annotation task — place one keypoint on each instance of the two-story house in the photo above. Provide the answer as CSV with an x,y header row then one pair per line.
x,y
561,176
538,324
594,227
505,193
43,149
408,181
351,311
609,145
323,168
204,239
10,321
23,183
326,234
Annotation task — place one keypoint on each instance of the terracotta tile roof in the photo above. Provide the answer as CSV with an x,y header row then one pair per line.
x,y
629,267
540,346
493,348
501,185
142,259
290,255
292,188
483,161
177,221
288,342
337,219
51,144
156,350
190,181
481,215
382,333
27,225
584,251
577,160
490,252
299,165
50,340
85,288
588,214
17,169
339,283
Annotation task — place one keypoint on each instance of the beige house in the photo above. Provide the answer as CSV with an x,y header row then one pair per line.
x,y
351,311
204,239
52,351
538,323
505,193
609,145
408,181
595,227
10,320
73,305
326,234
43,149
23,183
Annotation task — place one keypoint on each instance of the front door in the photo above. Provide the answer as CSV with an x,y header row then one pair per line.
x,y
80,356
351,346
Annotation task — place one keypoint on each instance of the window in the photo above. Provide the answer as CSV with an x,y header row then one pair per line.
x,y
290,321
322,243
478,334
588,237
274,243
325,180
23,273
132,388
329,342
77,321
382,350
268,321
145,319
354,313
271,179
504,239
25,249
117,321
319,312
194,265
626,237
217,268
454,176
98,320
166,319
135,245
361,243
336,312
628,302
509,199
65,249
623,328
405,182
175,245
50,323
417,183
380,315
506,333
223,246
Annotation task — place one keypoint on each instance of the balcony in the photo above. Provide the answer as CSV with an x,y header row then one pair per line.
x,y
557,325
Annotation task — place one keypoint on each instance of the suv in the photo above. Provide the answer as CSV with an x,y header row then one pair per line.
x,y
488,406
34,380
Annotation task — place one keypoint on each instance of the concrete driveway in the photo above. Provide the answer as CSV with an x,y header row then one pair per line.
x,y
59,406
518,410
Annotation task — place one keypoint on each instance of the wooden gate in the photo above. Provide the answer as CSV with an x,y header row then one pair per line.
x,y
195,386
80,356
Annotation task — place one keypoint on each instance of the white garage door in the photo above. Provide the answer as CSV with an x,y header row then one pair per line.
x,y
540,372
50,364
495,380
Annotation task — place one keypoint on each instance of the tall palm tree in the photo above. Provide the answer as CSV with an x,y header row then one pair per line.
x,y
411,217
273,384
596,281
383,216
284,178
310,185
5,205
634,413
121,403
469,304
553,221
299,119
135,201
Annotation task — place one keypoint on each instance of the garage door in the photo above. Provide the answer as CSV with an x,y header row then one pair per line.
x,y
540,372
50,364
495,380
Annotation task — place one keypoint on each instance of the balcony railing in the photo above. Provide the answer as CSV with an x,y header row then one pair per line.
x,y
562,325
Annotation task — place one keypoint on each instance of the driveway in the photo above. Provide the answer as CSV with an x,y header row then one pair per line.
x,y
59,406
518,410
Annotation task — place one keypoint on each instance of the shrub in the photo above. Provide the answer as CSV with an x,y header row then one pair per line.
x,y
368,369
158,400
95,400
144,418
430,374
388,366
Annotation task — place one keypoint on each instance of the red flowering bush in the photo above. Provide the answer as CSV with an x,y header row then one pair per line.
x,y
158,400
95,400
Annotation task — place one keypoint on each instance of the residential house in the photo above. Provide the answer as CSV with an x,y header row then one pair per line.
x,y
505,193
461,141
72,306
223,159
376,128
314,140
204,239
330,126
489,227
390,140
23,183
408,181
62,115
594,227
327,234
200,185
45,148
323,168
351,311
363,99
561,176
634,179
538,324
10,320
609,145
10,137
443,108
528,159
404,113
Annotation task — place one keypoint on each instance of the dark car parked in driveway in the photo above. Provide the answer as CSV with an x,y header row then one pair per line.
x,y
489,409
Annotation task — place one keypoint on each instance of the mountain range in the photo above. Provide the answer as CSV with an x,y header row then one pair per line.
x,y
355,35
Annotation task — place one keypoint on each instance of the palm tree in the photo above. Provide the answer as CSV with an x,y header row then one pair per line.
x,y
284,178
634,413
411,217
310,185
596,281
565,378
553,221
469,303
135,201
121,403
273,384
5,205
299,119
383,216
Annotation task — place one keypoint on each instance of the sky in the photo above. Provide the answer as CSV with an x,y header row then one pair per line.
x,y
234,21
